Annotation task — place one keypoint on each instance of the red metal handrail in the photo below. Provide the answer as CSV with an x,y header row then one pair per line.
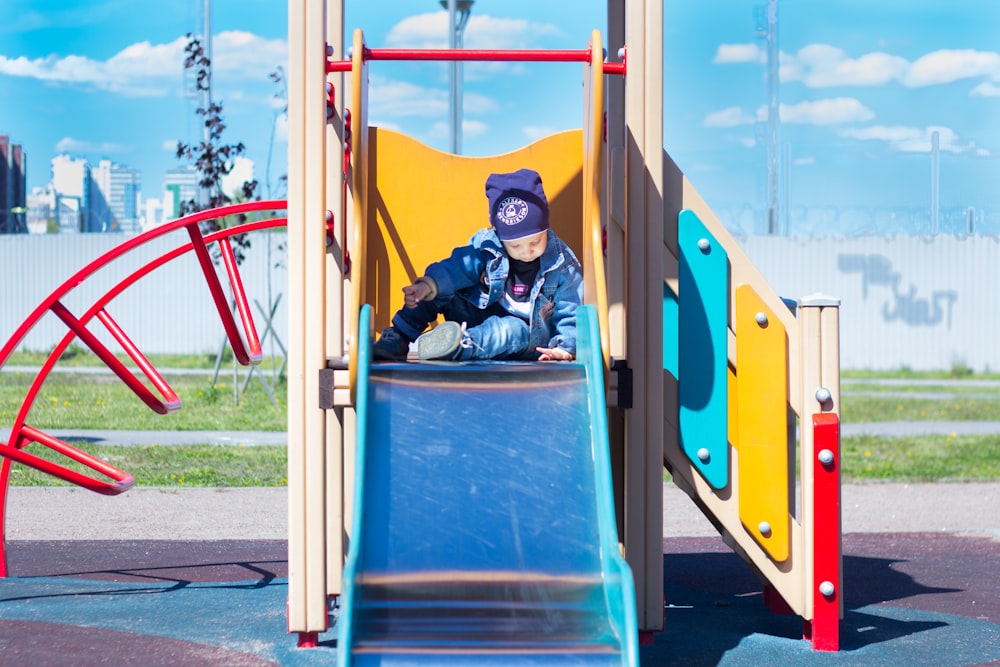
x,y
489,55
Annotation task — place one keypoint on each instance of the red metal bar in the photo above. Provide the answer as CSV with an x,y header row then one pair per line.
x,y
200,247
824,629
490,55
22,434
240,296
134,242
122,481
171,404
169,395
348,139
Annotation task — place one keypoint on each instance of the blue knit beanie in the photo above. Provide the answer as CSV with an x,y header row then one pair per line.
x,y
518,206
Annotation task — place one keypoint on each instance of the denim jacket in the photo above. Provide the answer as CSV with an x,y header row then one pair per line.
x,y
477,272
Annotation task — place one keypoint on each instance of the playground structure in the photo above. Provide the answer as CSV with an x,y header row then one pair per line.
x,y
687,360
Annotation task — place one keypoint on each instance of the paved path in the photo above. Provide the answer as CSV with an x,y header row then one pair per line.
x,y
63,513
252,438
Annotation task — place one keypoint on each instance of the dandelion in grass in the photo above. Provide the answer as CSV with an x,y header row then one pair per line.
x,y
868,454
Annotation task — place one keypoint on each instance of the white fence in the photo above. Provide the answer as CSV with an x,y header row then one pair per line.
x,y
168,311
923,303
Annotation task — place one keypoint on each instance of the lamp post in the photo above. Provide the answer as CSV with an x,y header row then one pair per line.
x,y
458,17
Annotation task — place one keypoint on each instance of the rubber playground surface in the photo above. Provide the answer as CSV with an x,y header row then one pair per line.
x,y
911,598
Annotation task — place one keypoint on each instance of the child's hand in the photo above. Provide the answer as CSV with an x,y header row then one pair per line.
x,y
553,354
414,294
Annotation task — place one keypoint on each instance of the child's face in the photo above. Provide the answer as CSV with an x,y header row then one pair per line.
x,y
528,248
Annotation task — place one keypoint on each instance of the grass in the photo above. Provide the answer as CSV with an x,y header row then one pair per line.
x,y
104,402
934,458
178,467
87,401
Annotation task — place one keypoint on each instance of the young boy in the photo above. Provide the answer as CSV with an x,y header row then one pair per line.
x,y
511,293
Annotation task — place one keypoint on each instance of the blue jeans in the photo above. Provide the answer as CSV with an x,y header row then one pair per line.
x,y
493,333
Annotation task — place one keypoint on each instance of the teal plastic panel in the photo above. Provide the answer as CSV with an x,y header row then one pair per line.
x,y
702,354
670,326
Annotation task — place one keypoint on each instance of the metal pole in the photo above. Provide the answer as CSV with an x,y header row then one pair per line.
x,y
206,136
772,115
453,102
935,178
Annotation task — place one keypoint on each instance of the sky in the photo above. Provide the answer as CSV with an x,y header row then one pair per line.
x,y
864,85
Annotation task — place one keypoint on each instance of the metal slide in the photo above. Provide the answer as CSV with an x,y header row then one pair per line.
x,y
484,524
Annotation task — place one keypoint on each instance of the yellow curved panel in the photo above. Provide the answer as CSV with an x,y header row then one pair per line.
x,y
762,399
734,416
595,284
359,186
422,203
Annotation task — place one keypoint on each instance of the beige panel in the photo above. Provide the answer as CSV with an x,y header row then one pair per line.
x,y
809,368
644,244
307,610
314,353
297,581
334,327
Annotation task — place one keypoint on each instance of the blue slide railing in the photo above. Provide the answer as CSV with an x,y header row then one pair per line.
x,y
484,526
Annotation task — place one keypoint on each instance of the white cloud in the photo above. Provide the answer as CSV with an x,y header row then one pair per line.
x,y
78,147
242,171
824,66
439,130
739,53
169,145
533,132
833,111
281,129
401,98
143,69
241,55
986,89
912,139
473,128
948,65
430,31
803,161
729,117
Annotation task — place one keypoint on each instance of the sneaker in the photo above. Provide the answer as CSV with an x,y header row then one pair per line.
x,y
391,345
441,342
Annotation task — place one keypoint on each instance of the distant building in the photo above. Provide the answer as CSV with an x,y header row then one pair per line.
x,y
72,186
13,188
120,187
41,209
180,185
154,214
89,199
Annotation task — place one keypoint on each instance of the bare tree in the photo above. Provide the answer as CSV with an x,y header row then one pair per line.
x,y
213,159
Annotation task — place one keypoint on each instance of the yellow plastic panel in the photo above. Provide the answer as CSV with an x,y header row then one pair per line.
x,y
734,417
762,398
426,202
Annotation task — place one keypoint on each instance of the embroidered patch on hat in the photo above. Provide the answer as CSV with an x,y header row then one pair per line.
x,y
512,210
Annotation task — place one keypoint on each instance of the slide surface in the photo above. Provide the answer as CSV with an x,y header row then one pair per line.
x,y
482,535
